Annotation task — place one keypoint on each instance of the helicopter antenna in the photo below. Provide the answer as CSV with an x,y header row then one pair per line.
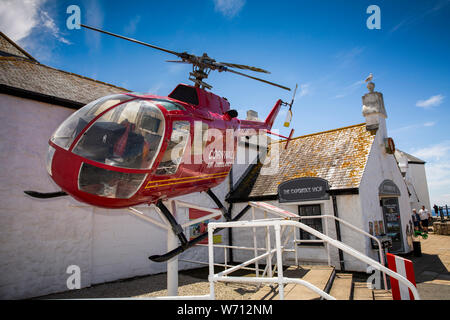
x,y
201,65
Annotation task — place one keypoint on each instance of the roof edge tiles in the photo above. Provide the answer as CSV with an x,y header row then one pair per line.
x,y
67,72
339,155
29,56
21,93
321,132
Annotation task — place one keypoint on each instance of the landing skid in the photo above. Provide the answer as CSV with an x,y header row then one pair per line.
x,y
187,244
176,239
178,229
47,195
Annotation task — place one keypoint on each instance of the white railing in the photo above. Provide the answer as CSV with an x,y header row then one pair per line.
x,y
280,279
380,249
293,216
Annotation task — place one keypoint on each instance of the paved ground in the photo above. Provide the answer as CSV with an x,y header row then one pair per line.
x,y
190,282
432,269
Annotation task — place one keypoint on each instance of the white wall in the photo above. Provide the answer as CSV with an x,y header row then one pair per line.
x,y
39,239
349,209
379,167
417,174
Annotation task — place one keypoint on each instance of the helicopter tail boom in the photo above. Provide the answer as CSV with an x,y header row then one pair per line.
x,y
273,114
248,125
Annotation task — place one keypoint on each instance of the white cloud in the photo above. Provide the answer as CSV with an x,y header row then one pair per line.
x,y
19,17
431,102
49,23
349,89
229,8
434,152
413,126
305,89
417,17
131,27
346,58
437,170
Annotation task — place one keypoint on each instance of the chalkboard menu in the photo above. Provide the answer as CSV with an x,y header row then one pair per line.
x,y
303,189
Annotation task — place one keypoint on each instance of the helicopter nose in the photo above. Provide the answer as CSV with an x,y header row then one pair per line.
x,y
91,183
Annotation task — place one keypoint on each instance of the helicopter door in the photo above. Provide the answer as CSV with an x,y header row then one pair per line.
x,y
176,148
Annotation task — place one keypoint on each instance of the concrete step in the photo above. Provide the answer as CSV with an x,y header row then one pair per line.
x,y
341,288
380,294
361,291
320,276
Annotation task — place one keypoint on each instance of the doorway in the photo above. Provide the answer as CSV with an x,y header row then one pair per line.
x,y
392,222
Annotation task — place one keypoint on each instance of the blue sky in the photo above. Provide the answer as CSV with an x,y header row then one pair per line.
x,y
324,46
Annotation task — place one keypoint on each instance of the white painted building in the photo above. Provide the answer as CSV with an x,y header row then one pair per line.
x,y
413,171
366,187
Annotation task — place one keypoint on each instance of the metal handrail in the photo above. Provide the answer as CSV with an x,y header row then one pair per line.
x,y
294,216
280,279
380,249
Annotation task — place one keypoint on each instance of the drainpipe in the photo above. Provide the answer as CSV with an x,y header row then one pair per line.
x,y
338,232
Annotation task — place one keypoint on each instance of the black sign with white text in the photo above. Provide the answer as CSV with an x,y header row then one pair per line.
x,y
303,189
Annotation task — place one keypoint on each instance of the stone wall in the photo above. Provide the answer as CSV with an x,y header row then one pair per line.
x,y
442,228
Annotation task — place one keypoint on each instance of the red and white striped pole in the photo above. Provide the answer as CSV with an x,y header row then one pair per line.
x,y
405,268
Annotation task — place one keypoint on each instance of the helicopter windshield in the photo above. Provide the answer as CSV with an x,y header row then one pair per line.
x,y
72,126
127,136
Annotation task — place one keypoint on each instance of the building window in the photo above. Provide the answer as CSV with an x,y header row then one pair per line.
x,y
310,210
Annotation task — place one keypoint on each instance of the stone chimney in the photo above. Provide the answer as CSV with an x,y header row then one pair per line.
x,y
373,110
252,115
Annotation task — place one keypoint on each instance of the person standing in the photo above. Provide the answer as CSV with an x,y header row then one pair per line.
x,y
436,210
416,220
424,216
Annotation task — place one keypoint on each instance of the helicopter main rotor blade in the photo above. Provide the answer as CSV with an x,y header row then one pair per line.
x,y
243,66
258,79
202,62
133,40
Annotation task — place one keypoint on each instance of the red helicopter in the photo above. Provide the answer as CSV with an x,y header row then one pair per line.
x,y
128,149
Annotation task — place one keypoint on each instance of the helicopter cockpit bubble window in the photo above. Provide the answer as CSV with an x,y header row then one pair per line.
x,y
175,150
127,136
109,184
72,126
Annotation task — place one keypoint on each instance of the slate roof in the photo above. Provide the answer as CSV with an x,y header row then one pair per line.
x,y
411,158
338,155
21,74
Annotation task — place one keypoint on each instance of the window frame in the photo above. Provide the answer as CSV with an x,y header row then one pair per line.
x,y
186,141
316,224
